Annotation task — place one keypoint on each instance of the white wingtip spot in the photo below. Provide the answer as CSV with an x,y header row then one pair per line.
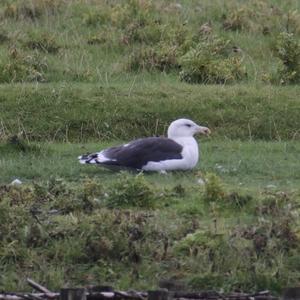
x,y
16,182
102,158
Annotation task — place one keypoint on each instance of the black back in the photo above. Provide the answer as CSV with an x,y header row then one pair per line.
x,y
139,152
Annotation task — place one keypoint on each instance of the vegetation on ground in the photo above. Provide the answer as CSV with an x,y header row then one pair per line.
x,y
232,223
89,41
102,72
63,233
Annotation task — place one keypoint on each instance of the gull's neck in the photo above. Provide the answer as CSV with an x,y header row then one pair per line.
x,y
184,140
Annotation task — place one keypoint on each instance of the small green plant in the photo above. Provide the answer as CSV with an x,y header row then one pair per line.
x,y
211,281
91,188
100,38
162,57
287,49
44,42
3,37
96,17
212,61
143,12
160,46
214,190
236,20
292,20
67,198
21,67
136,32
198,242
238,200
131,191
32,10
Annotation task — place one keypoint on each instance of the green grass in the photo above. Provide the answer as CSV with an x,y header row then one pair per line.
x,y
58,226
246,164
131,25
77,76
144,106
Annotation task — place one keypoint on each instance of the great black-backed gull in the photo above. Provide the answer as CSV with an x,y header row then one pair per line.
x,y
179,151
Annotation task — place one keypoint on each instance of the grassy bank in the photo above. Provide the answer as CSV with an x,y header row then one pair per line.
x,y
81,112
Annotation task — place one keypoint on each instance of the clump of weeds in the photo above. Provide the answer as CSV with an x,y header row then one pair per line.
x,y
121,15
236,20
159,47
279,213
214,189
94,18
116,235
261,18
43,42
287,49
225,257
98,39
212,61
57,195
31,10
131,191
4,37
162,58
215,194
21,67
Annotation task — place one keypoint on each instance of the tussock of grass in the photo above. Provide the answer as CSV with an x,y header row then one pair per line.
x,y
212,61
44,42
20,67
288,50
131,191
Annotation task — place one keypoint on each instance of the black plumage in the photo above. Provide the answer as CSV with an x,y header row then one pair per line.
x,y
137,153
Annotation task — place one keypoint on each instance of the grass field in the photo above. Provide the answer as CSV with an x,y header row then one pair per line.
x,y
80,75
251,165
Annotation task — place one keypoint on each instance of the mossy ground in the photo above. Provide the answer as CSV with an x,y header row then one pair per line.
x,y
77,76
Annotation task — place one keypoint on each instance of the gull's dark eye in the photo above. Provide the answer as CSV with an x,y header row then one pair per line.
x,y
188,125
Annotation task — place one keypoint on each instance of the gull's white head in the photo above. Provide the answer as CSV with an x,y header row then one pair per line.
x,y
185,128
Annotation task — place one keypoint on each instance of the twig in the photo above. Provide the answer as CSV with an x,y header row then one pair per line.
x,y
38,287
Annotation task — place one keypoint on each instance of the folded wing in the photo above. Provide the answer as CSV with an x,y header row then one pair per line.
x,y
136,154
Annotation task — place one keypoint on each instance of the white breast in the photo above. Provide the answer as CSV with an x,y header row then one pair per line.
x,y
190,151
